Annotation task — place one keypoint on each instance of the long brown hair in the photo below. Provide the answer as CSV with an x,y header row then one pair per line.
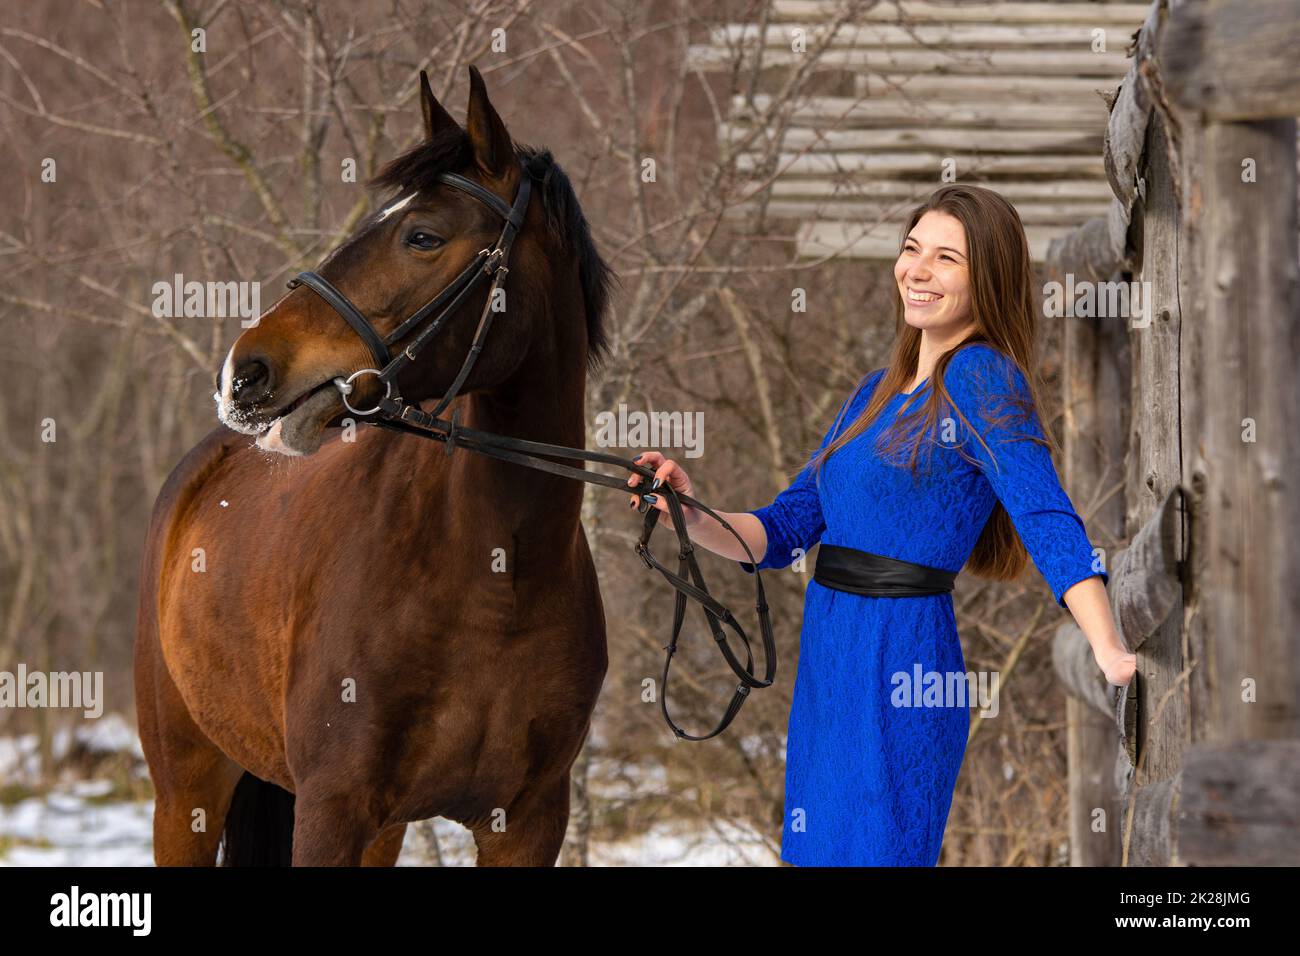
x,y
1004,313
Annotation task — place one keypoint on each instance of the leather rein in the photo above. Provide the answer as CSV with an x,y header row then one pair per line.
x,y
393,413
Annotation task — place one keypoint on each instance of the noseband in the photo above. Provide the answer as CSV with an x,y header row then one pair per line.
x,y
394,414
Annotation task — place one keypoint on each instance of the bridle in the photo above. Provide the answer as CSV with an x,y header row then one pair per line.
x,y
487,263
393,413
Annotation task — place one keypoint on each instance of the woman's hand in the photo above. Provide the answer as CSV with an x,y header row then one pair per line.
x,y
1090,605
666,470
1118,665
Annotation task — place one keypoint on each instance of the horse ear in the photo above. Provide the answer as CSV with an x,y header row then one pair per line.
x,y
436,119
493,149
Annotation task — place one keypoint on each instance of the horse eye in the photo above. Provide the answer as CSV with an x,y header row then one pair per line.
x,y
423,240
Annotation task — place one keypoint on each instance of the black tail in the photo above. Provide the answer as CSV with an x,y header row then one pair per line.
x,y
259,825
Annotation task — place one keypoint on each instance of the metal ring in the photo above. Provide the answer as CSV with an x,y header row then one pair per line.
x,y
345,389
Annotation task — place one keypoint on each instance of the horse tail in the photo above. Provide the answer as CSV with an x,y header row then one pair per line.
x,y
259,825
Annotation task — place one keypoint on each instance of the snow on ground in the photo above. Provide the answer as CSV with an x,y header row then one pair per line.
x,y
674,844
662,844
112,733
74,823
64,828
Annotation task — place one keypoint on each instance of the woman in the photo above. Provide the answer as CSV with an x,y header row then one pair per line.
x,y
936,462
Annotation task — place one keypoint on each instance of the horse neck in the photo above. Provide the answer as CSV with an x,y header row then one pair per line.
x,y
543,400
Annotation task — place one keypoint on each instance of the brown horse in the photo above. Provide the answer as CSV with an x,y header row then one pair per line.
x,y
373,632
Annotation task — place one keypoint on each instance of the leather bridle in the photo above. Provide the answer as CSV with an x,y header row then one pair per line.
x,y
393,413
487,263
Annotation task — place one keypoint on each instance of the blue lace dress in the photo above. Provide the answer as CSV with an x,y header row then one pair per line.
x,y
869,781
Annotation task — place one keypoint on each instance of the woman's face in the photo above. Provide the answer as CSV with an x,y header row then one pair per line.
x,y
933,275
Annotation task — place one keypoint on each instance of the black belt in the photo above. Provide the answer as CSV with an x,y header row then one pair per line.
x,y
861,572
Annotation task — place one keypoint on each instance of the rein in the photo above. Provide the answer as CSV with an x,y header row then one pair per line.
x,y
393,413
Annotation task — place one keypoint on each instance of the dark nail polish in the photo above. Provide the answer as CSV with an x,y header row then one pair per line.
x,y
658,482
650,498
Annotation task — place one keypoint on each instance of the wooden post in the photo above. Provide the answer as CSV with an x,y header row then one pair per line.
x,y
1096,384
1228,71
1155,453
1095,380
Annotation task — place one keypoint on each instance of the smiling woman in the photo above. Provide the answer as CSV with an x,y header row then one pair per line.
x,y
933,272
870,776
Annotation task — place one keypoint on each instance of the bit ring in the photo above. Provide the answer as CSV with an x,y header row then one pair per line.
x,y
345,387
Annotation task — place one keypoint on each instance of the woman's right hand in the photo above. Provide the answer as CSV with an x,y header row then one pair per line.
x,y
666,470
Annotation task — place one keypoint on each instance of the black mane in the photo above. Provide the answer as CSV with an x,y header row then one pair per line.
x,y
418,168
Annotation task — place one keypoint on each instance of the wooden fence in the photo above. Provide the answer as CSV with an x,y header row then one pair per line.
x,y
1195,392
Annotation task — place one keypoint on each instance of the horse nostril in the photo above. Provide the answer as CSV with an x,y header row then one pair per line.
x,y
252,380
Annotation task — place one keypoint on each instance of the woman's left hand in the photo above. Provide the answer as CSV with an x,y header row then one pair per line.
x,y
1119,666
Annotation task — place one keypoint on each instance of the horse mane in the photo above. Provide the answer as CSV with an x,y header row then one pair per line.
x,y
419,167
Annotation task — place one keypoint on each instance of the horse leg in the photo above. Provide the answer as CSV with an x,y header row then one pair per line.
x,y
534,829
386,847
193,780
332,829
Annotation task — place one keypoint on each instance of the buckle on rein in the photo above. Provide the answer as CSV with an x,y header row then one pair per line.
x,y
642,552
414,416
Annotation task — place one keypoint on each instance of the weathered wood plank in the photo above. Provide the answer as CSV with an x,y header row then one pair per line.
x,y
923,163
1078,672
1026,89
863,212
987,139
707,56
1090,252
1144,589
1056,190
1144,585
1228,805
1090,753
1094,372
1188,168
1232,60
1126,127
817,240
1155,831
1240,804
846,112
868,35
916,11
1129,713
1103,247
1152,490
1240,415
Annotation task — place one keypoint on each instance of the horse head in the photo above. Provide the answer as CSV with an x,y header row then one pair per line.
x,y
284,379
